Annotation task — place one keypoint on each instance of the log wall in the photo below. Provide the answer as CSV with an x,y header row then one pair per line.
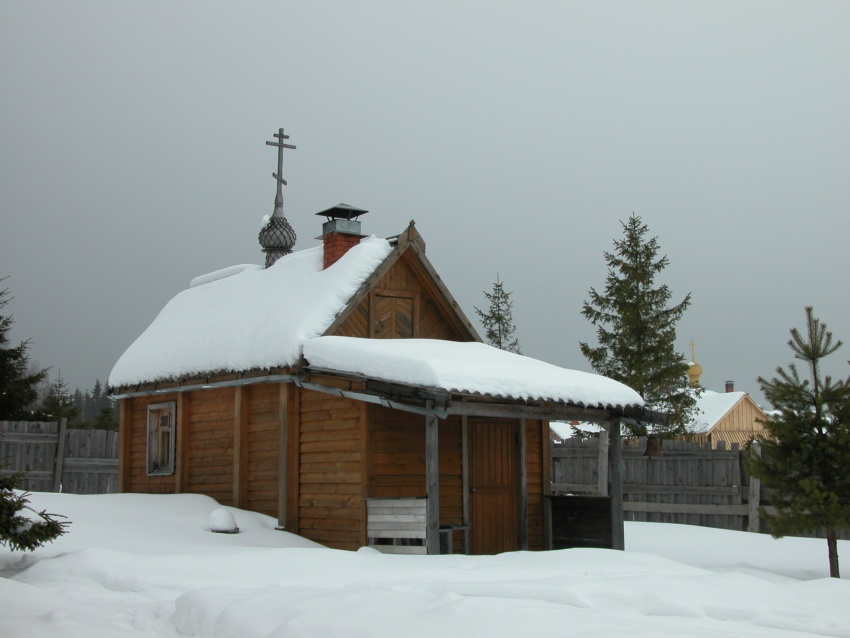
x,y
263,444
398,452
209,443
331,509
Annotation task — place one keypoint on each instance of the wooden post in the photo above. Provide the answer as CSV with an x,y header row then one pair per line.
x,y
602,463
181,454
523,487
615,485
546,455
124,444
754,497
60,456
432,483
464,445
283,455
240,447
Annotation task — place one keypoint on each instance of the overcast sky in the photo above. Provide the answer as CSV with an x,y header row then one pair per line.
x,y
518,135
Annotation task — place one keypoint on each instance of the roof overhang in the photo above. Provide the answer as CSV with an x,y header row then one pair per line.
x,y
425,400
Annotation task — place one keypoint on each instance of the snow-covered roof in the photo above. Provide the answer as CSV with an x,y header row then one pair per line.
x,y
713,406
245,318
466,368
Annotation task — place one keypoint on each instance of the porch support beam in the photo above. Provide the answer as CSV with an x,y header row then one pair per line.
x,y
432,484
615,485
523,486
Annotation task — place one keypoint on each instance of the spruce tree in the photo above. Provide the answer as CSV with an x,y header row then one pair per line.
x,y
58,403
18,384
22,527
806,450
498,321
636,330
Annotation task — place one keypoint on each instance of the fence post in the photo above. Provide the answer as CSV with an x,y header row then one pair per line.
x,y
602,463
60,456
754,496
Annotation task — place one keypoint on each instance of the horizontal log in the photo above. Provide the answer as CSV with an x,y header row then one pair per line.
x,y
417,531
583,488
21,437
686,508
377,519
308,478
670,490
36,475
77,462
710,490
400,549
333,488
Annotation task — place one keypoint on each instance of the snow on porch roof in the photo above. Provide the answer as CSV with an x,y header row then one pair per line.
x,y
248,318
467,368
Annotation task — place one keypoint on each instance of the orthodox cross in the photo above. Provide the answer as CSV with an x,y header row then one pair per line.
x,y
278,200
693,351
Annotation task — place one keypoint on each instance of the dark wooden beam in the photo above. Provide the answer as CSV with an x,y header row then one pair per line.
x,y
615,486
432,484
553,412
523,486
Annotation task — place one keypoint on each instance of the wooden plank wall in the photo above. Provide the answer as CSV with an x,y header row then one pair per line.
x,y
398,448
263,445
209,443
90,465
29,446
431,323
689,483
331,509
89,458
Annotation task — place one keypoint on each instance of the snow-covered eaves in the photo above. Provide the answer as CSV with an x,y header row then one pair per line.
x,y
468,368
245,318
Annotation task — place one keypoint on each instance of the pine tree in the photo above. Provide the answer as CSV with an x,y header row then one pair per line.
x,y
18,384
498,321
806,452
636,330
22,527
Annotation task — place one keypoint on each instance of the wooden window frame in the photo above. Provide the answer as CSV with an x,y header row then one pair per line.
x,y
156,411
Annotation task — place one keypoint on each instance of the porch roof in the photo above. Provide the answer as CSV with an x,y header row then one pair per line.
x,y
466,368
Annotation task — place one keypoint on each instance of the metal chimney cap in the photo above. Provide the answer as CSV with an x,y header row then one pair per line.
x,y
343,211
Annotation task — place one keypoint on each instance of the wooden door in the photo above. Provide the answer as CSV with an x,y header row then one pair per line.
x,y
494,487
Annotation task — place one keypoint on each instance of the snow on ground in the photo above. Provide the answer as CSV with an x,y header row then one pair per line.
x,y
147,565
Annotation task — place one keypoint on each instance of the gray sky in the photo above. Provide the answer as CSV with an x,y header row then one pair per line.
x,y
516,134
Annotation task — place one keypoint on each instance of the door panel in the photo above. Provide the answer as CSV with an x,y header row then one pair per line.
x,y
394,317
494,486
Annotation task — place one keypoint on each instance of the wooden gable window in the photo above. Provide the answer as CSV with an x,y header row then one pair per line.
x,y
394,315
161,427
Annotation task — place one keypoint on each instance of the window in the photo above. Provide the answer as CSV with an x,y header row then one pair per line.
x,y
161,438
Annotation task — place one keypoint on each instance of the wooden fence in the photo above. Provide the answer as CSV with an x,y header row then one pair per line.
x,y
689,483
58,459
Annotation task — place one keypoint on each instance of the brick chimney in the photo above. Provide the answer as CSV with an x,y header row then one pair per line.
x,y
730,386
340,232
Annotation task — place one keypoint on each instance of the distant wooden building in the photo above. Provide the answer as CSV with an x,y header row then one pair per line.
x,y
343,391
728,416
